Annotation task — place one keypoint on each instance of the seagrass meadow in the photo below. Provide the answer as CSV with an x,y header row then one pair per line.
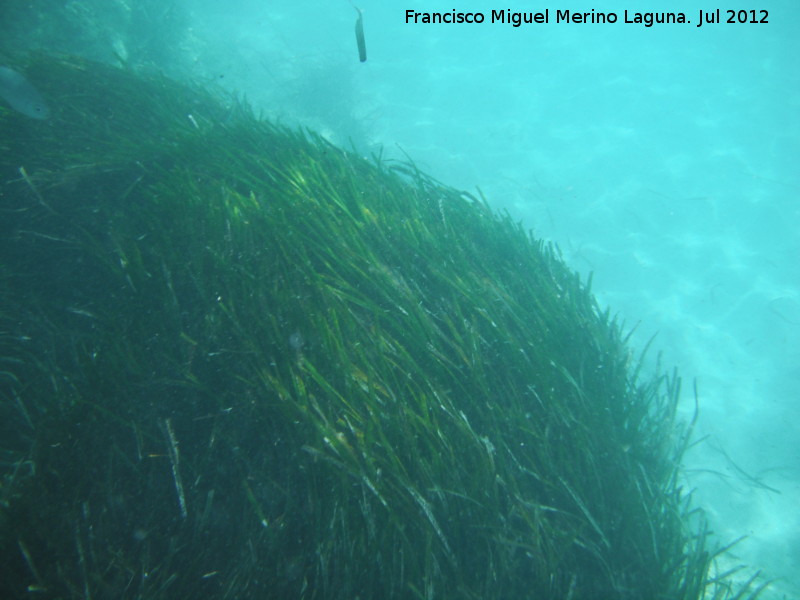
x,y
237,361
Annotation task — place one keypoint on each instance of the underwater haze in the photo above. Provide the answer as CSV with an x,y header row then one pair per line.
x,y
663,160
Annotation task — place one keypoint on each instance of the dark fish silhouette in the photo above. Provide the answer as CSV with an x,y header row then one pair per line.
x,y
362,46
21,95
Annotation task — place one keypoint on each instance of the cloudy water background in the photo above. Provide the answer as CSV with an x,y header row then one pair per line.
x,y
663,160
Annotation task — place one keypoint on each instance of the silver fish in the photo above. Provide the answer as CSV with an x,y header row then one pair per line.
x,y
21,95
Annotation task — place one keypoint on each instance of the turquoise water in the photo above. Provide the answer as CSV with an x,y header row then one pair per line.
x,y
663,159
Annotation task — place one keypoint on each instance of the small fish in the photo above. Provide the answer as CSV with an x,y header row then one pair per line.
x,y
21,95
362,46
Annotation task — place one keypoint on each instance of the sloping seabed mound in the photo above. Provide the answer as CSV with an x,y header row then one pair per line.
x,y
239,362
